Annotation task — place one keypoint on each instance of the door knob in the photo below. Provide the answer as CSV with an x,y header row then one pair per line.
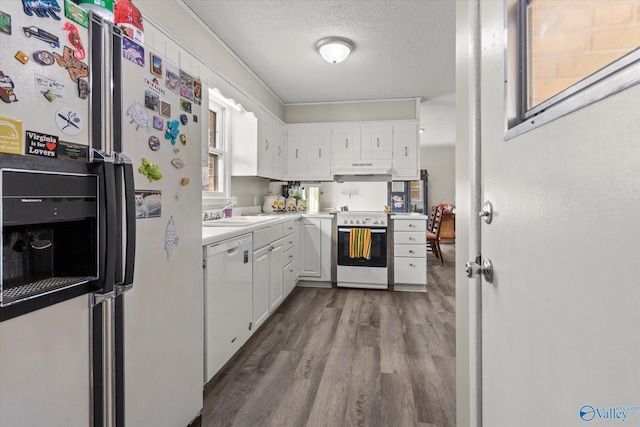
x,y
473,269
486,212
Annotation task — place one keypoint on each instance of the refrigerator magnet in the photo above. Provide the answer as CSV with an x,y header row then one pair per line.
x,y
195,119
76,68
5,23
158,123
177,163
132,51
154,143
43,57
184,119
22,57
6,89
150,170
185,181
74,39
83,89
138,114
172,131
69,120
183,139
76,14
50,95
41,8
42,35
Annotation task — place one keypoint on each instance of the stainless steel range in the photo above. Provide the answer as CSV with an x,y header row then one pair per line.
x,y
361,250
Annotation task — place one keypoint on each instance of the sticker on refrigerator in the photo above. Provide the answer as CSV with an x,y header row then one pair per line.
x,y
151,100
138,114
68,120
155,64
154,143
10,136
185,105
197,91
186,85
42,35
42,8
40,144
46,84
76,13
83,89
22,57
170,237
72,151
154,85
148,204
133,51
5,23
172,81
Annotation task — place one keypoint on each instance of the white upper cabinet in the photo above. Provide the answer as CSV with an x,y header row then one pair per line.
x,y
345,142
278,154
376,142
308,153
406,158
319,154
257,149
297,148
265,146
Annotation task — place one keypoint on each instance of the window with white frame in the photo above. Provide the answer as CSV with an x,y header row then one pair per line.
x,y
564,55
213,173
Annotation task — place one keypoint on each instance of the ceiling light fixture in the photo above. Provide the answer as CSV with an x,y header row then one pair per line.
x,y
335,49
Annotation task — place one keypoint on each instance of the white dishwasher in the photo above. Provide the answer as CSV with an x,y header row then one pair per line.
x,y
228,311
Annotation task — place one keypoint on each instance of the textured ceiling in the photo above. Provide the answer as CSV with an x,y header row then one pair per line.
x,y
404,48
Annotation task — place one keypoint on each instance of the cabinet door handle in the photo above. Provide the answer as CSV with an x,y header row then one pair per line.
x,y
266,143
406,151
346,143
411,225
378,142
279,151
320,153
411,251
296,153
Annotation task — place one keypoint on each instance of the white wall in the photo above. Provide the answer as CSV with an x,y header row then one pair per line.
x,y
440,162
359,196
249,190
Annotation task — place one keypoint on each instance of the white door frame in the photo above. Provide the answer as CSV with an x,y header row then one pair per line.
x,y
468,296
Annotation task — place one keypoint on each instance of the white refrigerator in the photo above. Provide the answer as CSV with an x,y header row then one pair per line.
x,y
74,89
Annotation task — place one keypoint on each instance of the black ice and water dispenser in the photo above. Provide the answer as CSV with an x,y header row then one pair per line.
x,y
50,238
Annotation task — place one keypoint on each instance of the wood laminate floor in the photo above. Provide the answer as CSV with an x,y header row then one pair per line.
x,y
346,357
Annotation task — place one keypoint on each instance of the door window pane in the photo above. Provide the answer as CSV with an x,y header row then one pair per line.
x,y
569,40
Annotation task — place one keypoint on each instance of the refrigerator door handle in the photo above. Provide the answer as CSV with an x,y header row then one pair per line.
x,y
107,221
130,219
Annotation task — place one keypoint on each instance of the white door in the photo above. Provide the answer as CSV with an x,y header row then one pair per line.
x,y
560,343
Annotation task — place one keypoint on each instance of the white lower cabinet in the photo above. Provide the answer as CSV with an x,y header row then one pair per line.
x,y
267,272
290,269
315,242
410,254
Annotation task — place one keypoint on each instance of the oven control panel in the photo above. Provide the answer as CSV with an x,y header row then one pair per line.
x,y
367,219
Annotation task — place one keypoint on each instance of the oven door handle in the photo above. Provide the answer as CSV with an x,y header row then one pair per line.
x,y
373,230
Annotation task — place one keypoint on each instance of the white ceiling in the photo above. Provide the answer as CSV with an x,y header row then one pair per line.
x,y
404,48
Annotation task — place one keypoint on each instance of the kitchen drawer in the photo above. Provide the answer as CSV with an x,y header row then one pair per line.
x,y
410,237
288,227
410,225
276,231
290,276
261,238
288,255
410,251
288,242
410,270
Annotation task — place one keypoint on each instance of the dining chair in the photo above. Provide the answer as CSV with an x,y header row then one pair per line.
x,y
432,217
433,235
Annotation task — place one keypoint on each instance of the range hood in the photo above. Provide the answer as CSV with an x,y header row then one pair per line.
x,y
362,170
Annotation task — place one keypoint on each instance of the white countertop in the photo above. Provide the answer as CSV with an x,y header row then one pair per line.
x,y
216,234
